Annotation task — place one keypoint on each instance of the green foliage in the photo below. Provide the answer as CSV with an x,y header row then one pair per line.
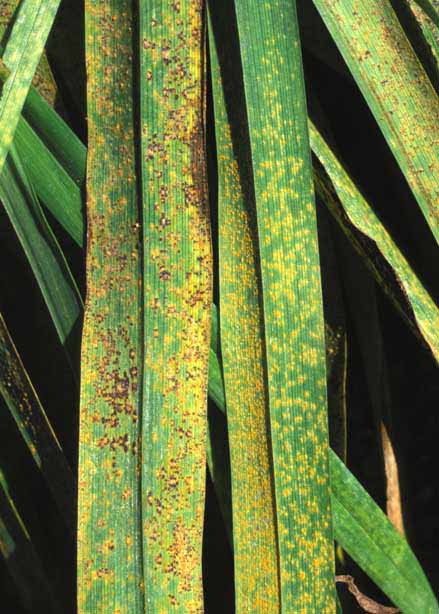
x,y
396,88
191,213
31,27
110,566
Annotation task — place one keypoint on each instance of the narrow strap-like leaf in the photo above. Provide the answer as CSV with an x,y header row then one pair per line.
x,y
55,188
47,147
63,143
26,409
427,18
178,297
369,538
431,8
60,139
292,302
22,55
355,215
43,79
255,552
349,207
42,250
110,568
396,88
372,240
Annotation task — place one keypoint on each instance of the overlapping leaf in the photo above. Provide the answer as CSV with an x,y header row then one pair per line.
x,y
396,88
42,250
252,486
363,530
292,302
431,8
43,79
22,54
375,244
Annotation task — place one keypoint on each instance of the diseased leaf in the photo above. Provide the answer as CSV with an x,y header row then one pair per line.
x,y
110,565
431,9
43,79
292,301
396,88
372,542
33,23
178,297
252,485
391,269
371,239
427,18
26,409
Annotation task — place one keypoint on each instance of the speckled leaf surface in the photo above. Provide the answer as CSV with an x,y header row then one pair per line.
x,y
178,297
363,530
47,147
252,488
22,54
352,211
43,78
25,407
373,241
428,20
390,265
110,566
292,302
396,88
430,8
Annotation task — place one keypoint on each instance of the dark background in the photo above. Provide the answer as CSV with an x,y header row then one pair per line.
x,y
414,384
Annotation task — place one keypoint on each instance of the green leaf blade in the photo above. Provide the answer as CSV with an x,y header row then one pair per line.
x,y
396,89
252,486
60,194
178,297
291,289
42,250
25,407
430,8
33,23
359,222
110,566
366,534
370,539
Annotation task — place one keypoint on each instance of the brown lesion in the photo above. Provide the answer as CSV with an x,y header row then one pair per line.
x,y
198,165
